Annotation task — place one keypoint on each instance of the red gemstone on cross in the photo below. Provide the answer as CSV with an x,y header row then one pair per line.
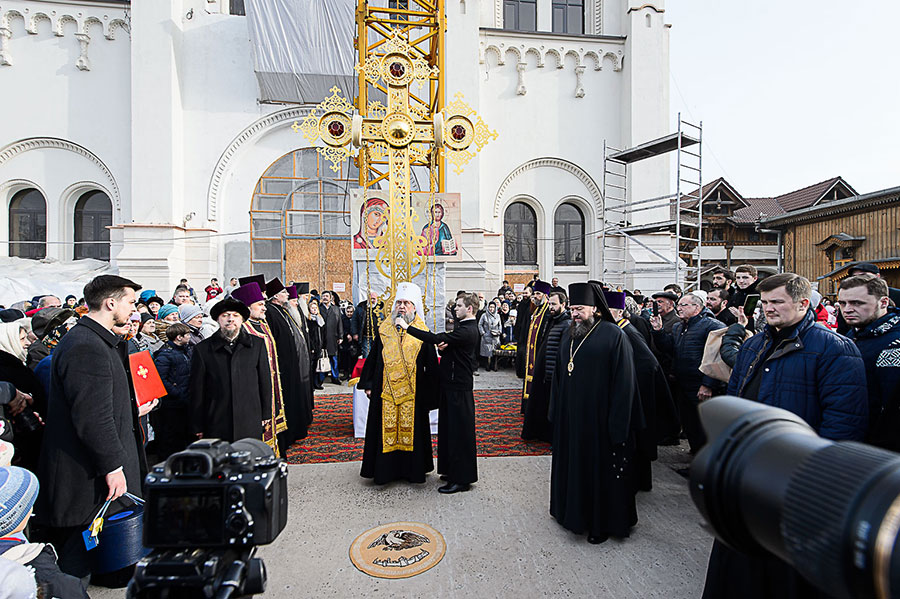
x,y
397,69
336,128
458,132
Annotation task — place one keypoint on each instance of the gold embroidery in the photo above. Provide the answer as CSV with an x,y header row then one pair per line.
x,y
278,423
531,347
398,392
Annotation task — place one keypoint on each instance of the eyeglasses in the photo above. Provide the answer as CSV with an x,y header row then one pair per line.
x,y
685,304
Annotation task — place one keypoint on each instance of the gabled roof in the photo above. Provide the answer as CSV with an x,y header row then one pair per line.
x,y
755,207
812,195
749,213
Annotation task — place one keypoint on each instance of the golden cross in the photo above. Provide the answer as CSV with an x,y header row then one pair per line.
x,y
142,372
402,132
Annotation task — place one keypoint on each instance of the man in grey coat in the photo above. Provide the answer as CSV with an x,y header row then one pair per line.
x,y
92,449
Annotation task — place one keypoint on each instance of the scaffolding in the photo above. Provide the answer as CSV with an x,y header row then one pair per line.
x,y
684,208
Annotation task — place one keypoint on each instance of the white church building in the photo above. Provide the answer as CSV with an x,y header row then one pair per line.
x,y
134,132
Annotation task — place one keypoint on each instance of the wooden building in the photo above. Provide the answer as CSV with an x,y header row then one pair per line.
x,y
823,241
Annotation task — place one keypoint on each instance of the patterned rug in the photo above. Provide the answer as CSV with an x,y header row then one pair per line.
x,y
498,430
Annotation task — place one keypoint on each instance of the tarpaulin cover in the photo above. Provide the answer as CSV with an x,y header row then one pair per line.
x,y
302,48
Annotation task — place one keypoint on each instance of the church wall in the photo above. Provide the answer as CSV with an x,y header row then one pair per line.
x,y
62,66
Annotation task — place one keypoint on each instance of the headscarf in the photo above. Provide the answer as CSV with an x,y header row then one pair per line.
x,y
9,339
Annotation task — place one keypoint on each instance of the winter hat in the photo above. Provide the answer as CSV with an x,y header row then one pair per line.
x,y
11,314
166,310
187,312
145,316
18,491
229,305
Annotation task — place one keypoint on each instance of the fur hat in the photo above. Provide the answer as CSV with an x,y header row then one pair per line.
x,y
229,305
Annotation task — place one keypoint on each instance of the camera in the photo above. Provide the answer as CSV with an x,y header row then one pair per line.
x,y
766,482
27,422
207,509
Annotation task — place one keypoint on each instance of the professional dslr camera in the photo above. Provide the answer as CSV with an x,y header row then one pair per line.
x,y
767,483
207,508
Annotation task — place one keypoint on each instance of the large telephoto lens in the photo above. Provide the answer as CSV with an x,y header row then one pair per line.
x,y
766,481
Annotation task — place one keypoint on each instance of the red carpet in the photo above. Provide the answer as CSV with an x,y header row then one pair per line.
x,y
497,421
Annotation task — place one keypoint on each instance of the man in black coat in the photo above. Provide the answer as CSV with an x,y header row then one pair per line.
x,y
231,385
92,449
457,459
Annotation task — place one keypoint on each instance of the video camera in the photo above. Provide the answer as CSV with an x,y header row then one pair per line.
x,y
207,508
767,482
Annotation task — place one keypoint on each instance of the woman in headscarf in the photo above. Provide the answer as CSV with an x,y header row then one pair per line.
x,y
14,342
490,328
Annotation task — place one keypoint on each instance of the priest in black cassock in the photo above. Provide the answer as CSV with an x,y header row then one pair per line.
x,y
536,424
593,443
293,363
457,459
400,378
653,390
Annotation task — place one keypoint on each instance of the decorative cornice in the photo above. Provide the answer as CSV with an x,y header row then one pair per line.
x,y
83,23
256,128
643,6
40,143
541,52
559,163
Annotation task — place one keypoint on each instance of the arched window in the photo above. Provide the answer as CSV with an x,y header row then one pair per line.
x,y
520,234
298,196
28,225
93,213
568,246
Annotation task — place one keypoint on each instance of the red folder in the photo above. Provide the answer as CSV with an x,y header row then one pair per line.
x,y
147,384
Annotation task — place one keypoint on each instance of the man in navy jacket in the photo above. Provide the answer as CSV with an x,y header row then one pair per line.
x,y
875,328
798,365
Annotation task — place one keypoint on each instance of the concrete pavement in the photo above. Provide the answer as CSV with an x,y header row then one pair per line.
x,y
501,540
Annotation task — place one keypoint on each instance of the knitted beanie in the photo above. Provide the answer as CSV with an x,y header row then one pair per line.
x,y
166,310
18,491
187,312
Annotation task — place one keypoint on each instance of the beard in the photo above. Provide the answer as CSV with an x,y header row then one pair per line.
x,y
580,328
293,311
408,317
230,335
304,307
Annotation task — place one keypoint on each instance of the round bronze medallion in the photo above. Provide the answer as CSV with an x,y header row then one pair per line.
x,y
398,550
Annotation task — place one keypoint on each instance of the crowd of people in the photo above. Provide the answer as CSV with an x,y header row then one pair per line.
x,y
608,375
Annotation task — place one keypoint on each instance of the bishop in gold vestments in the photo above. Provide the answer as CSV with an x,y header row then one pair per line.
x,y
400,377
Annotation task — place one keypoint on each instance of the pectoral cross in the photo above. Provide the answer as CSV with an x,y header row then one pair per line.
x,y
402,133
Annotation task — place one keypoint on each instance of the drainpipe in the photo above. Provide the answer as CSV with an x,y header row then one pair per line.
x,y
780,234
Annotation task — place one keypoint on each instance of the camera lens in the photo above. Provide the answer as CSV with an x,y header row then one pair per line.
x,y
766,481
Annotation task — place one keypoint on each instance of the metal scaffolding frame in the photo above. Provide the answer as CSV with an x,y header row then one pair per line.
x,y
685,207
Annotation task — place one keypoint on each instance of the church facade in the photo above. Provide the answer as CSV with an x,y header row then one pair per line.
x,y
134,133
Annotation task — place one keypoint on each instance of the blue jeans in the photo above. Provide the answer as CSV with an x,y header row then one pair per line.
x,y
365,346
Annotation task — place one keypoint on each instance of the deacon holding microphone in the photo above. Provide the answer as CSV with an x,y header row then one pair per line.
x,y
456,412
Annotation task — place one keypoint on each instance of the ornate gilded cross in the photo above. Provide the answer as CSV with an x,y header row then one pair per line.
x,y
402,132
